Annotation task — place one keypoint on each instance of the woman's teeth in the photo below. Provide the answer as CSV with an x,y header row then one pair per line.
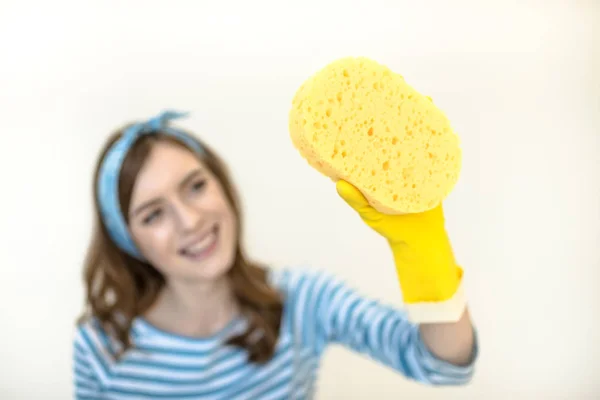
x,y
201,247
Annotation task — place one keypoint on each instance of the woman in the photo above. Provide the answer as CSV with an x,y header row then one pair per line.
x,y
176,310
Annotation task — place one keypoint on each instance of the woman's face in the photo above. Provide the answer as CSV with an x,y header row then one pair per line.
x,y
180,218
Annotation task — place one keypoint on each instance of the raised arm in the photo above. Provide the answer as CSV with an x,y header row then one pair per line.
x,y
328,311
453,342
438,329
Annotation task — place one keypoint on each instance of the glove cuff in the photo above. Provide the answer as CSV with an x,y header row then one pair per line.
x,y
450,310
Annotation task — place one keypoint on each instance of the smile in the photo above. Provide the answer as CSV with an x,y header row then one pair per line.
x,y
203,246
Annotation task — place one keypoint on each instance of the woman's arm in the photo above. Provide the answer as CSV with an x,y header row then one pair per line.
x,y
324,310
452,342
430,279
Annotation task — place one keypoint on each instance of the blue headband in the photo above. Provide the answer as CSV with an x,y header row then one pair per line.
x,y
110,171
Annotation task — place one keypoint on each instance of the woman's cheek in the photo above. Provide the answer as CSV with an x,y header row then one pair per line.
x,y
157,243
163,239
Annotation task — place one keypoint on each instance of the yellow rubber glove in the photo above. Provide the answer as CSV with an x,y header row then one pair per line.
x,y
430,279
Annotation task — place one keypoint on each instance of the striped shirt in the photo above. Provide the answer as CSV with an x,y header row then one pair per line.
x,y
319,310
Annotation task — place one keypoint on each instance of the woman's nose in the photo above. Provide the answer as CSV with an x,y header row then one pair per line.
x,y
189,217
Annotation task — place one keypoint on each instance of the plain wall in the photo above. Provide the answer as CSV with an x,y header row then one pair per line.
x,y
519,81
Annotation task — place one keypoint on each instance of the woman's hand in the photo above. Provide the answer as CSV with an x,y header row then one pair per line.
x,y
429,277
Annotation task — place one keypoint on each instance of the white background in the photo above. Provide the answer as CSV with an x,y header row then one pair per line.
x,y
519,80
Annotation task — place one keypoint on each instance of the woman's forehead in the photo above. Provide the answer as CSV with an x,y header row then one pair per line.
x,y
166,166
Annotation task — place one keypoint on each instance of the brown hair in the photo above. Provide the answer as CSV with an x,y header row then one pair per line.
x,y
120,287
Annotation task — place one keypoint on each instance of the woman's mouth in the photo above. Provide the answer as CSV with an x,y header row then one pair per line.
x,y
203,247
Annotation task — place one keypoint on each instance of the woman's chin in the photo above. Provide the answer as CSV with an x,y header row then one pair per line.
x,y
210,269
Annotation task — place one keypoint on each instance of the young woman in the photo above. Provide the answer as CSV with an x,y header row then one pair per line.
x,y
176,310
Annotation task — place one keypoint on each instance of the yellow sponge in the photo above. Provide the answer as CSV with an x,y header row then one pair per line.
x,y
359,121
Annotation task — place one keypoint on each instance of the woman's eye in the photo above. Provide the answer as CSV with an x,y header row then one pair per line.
x,y
198,185
153,216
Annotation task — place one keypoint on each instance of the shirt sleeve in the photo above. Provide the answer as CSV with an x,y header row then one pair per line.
x,y
86,382
326,311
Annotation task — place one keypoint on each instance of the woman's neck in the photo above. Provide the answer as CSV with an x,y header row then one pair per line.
x,y
194,309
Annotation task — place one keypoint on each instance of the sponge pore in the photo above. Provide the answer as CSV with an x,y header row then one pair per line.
x,y
359,121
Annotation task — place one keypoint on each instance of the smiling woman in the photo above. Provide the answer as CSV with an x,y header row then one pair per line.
x,y
146,217
176,310
183,216
180,215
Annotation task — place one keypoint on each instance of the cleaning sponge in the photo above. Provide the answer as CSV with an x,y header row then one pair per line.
x,y
359,121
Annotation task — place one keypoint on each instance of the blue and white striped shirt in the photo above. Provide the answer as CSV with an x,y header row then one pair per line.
x,y
319,310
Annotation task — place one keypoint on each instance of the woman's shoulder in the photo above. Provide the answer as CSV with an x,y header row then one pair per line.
x,y
90,339
88,327
300,279
90,336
